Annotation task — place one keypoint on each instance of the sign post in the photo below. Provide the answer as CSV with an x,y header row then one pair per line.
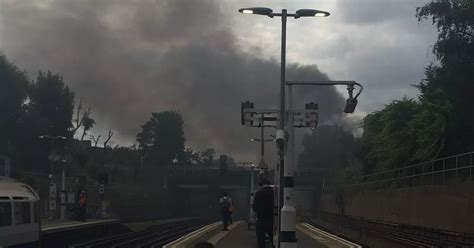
x,y
52,199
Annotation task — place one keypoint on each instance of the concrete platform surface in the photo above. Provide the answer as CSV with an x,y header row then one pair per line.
x,y
48,226
240,237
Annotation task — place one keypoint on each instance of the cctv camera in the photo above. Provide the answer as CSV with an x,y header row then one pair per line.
x,y
351,104
280,138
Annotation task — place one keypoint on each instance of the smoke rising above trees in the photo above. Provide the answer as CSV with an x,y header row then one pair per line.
x,y
130,58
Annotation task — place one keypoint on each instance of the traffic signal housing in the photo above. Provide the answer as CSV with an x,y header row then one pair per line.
x,y
311,115
246,113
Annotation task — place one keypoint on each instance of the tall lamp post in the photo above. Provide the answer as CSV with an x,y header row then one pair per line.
x,y
52,197
287,234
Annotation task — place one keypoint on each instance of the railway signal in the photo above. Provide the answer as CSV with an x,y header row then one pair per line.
x,y
101,189
103,180
246,113
311,115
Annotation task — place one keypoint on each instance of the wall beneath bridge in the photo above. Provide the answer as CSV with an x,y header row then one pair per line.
x,y
446,207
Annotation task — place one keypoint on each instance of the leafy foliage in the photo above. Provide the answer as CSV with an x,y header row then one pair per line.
x,y
439,123
329,148
208,156
404,132
162,137
53,102
13,94
450,85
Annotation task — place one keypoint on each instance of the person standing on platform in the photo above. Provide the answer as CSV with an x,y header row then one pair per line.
x,y
231,211
225,203
82,205
263,207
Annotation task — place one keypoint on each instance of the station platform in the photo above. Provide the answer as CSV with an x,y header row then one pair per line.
x,y
239,236
56,226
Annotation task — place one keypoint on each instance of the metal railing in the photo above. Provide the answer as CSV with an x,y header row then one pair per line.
x,y
448,170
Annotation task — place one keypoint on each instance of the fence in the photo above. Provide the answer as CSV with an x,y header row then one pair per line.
x,y
448,170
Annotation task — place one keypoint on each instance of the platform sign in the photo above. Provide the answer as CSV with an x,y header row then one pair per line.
x,y
104,209
71,197
52,196
105,205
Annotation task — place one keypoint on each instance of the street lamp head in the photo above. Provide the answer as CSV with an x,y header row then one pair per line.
x,y
311,13
61,137
257,11
41,137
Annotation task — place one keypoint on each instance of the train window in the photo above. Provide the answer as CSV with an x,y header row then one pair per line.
x,y
20,198
22,213
5,213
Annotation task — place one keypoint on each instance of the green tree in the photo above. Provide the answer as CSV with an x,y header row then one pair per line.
x,y
388,137
449,85
87,123
208,156
191,157
162,137
331,149
405,131
13,96
52,100
439,123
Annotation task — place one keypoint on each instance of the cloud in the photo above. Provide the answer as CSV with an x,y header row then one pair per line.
x,y
378,43
130,58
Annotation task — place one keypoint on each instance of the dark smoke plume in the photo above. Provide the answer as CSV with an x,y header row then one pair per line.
x,y
129,58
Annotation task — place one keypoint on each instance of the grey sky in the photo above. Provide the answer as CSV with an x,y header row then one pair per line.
x,y
376,42
128,58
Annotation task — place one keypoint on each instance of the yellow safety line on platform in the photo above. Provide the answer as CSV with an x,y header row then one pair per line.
x,y
313,232
192,236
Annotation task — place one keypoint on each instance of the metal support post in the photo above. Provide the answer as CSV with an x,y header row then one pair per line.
x,y
281,124
422,175
456,175
443,170
288,212
262,143
52,193
470,167
63,194
251,193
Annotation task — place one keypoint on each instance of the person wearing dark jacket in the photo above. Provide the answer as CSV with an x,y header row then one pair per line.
x,y
263,207
226,203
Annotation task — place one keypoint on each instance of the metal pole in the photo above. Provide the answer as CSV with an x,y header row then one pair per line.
x,y
470,167
432,173
262,143
51,211
422,175
456,177
52,156
443,170
288,212
251,194
63,194
281,124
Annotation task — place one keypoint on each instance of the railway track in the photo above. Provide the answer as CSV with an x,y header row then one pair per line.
x,y
409,236
154,236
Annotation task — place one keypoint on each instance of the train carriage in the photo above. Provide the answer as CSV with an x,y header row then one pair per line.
x,y
19,214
